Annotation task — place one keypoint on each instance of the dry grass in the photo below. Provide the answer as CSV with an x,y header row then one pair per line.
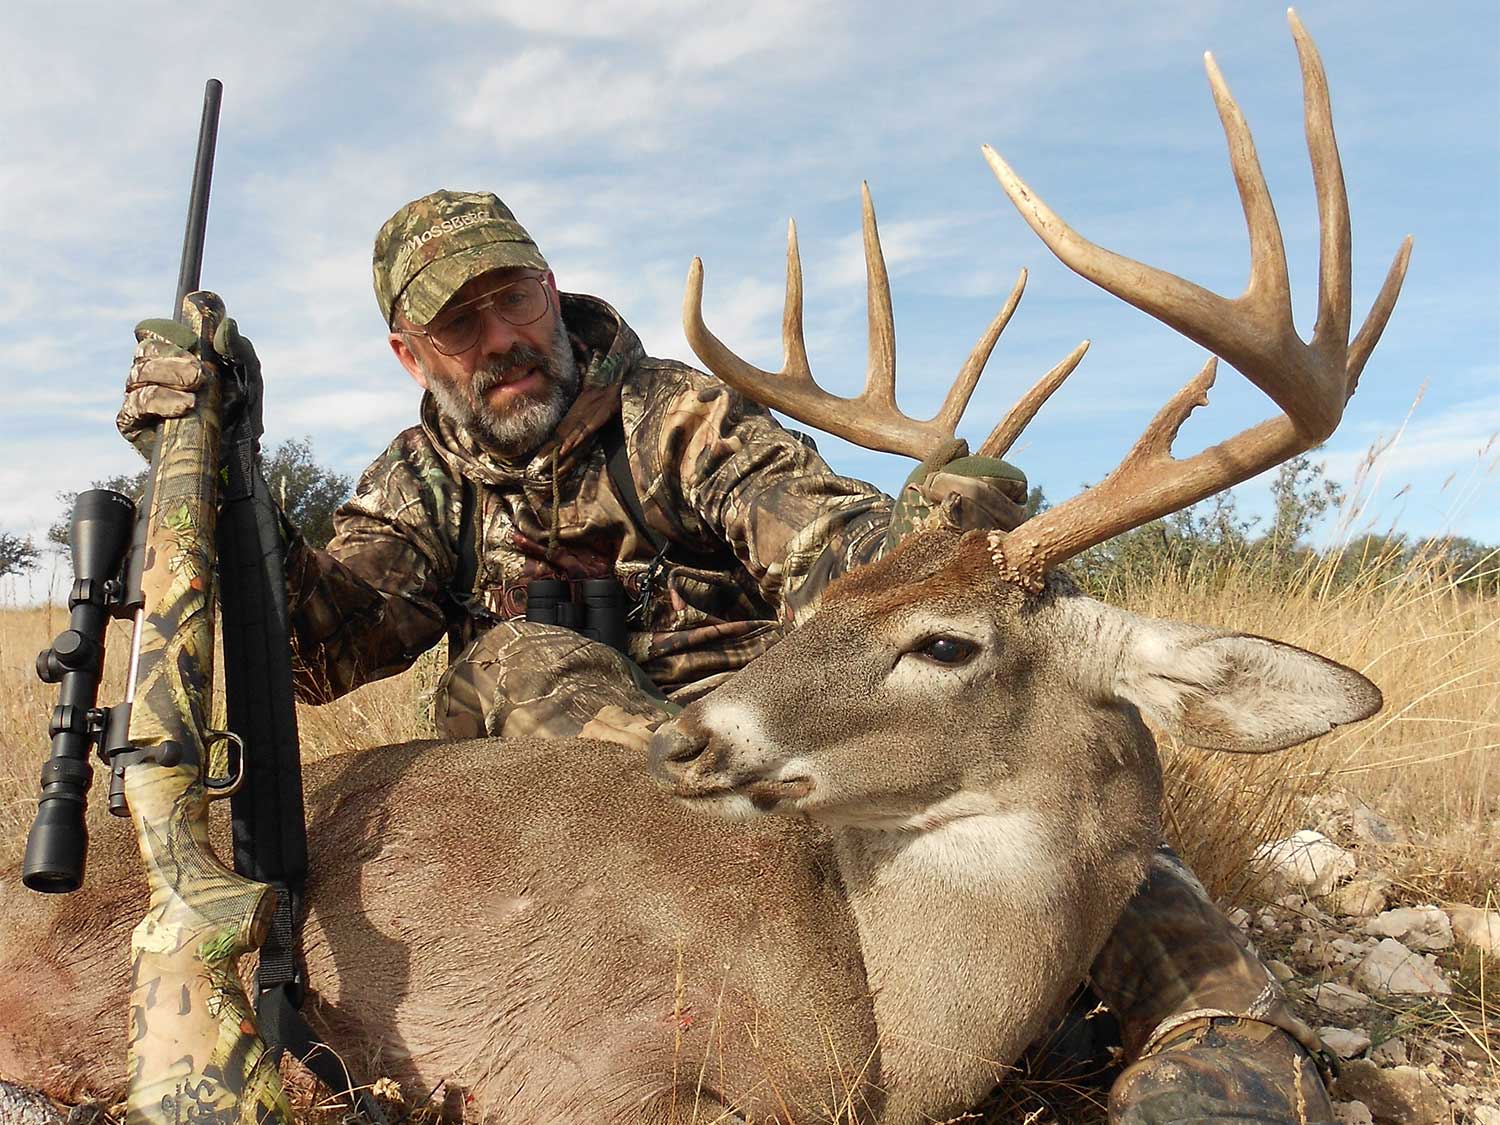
x,y
1427,761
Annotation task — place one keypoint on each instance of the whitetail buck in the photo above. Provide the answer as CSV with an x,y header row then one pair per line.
x,y
956,741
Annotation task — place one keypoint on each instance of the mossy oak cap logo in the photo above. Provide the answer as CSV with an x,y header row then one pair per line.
x,y
429,248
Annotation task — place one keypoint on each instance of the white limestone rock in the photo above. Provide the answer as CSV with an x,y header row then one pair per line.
x,y
1306,862
1416,927
1361,897
1391,967
1479,928
1345,1042
1352,1113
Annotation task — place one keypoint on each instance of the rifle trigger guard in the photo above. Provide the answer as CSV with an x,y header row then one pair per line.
x,y
215,788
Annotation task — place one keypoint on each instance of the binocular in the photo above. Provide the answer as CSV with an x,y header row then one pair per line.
x,y
598,611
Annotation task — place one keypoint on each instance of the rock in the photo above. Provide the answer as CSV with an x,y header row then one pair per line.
x,y
1479,928
1339,998
1360,898
1307,862
1370,827
1391,967
1281,971
1344,949
1485,1115
1416,927
1402,1093
1240,918
1352,1113
1390,1053
1344,1042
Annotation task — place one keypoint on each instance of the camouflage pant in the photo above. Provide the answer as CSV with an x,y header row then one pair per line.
x,y
1172,959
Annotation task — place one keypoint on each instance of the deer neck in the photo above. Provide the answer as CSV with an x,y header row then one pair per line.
x,y
969,924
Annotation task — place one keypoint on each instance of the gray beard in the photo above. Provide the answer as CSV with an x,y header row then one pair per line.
x,y
529,421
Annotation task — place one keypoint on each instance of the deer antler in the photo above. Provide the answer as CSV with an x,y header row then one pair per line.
x,y
1254,332
871,419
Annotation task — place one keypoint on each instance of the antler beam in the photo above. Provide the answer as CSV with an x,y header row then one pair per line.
x,y
1254,332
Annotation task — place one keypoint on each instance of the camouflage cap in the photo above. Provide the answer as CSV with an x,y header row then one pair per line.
x,y
426,251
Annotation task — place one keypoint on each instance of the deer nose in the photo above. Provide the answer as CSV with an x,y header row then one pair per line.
x,y
675,745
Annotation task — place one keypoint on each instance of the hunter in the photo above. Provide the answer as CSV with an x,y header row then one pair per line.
x,y
550,446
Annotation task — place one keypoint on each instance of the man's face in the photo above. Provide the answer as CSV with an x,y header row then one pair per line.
x,y
513,383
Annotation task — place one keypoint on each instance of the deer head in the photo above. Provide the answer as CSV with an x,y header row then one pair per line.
x,y
981,633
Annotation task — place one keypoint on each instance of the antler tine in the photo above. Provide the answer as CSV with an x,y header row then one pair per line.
x,y
1254,332
1380,312
880,381
1003,436
1331,330
957,400
793,343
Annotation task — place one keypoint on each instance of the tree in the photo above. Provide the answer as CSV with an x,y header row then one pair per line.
x,y
307,492
17,554
1302,495
1470,565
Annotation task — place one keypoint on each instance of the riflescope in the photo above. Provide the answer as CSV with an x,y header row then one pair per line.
x,y
100,537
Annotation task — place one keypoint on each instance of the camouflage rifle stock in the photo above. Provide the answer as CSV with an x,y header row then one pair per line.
x,y
195,1052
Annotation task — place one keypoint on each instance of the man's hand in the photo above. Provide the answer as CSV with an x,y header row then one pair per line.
x,y
966,493
166,373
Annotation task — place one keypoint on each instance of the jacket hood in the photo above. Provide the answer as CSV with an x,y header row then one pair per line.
x,y
606,350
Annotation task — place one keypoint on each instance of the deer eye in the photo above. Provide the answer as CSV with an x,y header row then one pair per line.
x,y
951,651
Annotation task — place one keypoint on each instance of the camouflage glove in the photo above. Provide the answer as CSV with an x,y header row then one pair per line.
x,y
166,372
965,493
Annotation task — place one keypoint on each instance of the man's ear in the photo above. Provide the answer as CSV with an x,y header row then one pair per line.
x,y
408,358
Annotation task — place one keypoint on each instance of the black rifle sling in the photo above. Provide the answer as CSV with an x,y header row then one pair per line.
x,y
269,825
617,464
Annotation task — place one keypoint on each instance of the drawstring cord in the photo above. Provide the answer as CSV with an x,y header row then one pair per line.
x,y
552,531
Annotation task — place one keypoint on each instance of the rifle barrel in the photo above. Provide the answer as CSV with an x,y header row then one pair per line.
x,y
197,218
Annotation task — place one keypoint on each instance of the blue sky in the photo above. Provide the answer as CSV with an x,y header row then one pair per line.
x,y
630,137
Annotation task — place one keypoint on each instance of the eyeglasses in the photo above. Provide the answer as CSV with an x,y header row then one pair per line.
x,y
456,329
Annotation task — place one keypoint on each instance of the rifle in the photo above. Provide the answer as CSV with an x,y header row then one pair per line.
x,y
195,1052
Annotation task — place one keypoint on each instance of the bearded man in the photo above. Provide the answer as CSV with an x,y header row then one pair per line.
x,y
552,449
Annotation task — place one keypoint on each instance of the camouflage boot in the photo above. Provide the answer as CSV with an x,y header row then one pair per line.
x,y
1206,1029
1222,1069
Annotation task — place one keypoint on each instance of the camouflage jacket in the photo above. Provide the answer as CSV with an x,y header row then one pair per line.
x,y
754,521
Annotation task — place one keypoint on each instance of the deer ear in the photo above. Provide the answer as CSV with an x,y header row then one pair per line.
x,y
1234,691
